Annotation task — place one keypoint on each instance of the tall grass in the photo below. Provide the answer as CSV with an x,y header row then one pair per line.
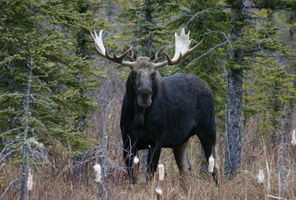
x,y
258,154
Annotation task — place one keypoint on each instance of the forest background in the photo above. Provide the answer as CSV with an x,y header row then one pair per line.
x,y
60,103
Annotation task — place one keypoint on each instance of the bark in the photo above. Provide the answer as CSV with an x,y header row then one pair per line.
x,y
25,147
233,123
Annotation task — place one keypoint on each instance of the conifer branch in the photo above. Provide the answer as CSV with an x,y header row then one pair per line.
x,y
4,156
7,146
9,95
10,131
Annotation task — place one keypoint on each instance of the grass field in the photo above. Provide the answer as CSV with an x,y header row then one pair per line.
x,y
60,183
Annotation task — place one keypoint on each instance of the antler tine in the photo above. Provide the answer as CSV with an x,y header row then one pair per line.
x,y
99,45
182,49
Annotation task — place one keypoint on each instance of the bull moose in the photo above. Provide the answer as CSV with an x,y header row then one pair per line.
x,y
164,112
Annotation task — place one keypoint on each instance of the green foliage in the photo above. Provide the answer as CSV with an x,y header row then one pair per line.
x,y
143,25
46,35
275,4
270,89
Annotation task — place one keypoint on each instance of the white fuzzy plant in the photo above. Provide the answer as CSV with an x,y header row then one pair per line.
x,y
98,173
293,141
158,189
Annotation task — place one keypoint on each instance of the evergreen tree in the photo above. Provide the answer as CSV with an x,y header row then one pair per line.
x,y
40,38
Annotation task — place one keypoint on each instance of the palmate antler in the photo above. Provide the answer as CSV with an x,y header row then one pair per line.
x,y
99,45
182,49
182,45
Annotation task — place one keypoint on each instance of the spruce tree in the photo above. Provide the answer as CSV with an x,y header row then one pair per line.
x,y
39,40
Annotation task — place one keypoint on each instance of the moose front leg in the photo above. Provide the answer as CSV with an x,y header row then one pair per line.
x,y
129,153
153,158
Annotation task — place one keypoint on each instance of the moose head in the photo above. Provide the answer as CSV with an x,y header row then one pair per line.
x,y
144,75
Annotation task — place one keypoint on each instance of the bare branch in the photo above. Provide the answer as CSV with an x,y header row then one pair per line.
x,y
227,40
257,61
7,146
202,12
12,130
7,188
9,153
271,56
211,50
8,95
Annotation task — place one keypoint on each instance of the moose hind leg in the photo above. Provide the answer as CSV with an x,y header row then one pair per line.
x,y
208,144
216,173
181,157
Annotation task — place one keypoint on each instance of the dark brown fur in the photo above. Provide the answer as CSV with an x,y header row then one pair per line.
x,y
181,106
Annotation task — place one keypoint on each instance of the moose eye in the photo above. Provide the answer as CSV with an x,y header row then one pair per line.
x,y
153,75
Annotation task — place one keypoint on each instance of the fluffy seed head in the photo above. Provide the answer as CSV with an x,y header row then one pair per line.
x,y
260,177
136,160
98,173
160,172
211,164
158,190
30,181
293,141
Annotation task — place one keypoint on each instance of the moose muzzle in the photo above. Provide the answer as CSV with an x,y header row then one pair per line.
x,y
144,96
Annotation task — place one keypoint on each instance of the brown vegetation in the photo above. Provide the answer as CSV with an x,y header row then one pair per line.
x,y
59,183
50,184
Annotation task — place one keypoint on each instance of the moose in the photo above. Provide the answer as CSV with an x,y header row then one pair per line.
x,y
162,112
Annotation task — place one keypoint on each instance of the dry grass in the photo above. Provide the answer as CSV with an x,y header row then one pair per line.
x,y
60,184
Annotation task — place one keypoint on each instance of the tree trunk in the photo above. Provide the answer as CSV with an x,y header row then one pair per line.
x,y
23,179
233,123
234,97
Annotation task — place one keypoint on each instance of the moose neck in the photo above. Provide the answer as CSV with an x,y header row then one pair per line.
x,y
139,115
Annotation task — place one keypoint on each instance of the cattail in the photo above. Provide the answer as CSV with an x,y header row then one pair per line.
x,y
160,172
293,141
30,181
136,160
260,177
158,190
211,164
98,173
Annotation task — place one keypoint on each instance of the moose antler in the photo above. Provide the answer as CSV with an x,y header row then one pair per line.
x,y
99,45
182,49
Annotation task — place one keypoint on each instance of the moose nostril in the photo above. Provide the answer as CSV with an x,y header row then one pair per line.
x,y
145,92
